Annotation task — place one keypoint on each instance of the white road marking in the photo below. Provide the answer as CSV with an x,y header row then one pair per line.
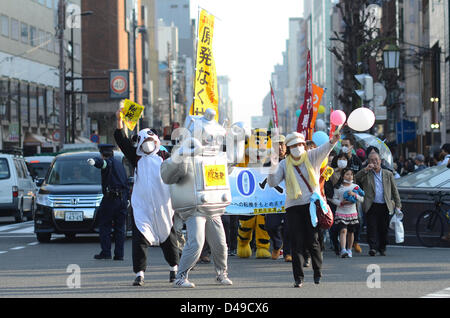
x,y
15,226
3,252
17,248
445,293
33,243
29,229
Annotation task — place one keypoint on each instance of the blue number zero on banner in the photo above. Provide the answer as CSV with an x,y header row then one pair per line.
x,y
247,189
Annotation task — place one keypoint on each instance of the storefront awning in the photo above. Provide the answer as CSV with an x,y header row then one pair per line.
x,y
37,140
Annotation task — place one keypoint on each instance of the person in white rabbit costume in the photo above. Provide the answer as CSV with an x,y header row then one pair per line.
x,y
197,173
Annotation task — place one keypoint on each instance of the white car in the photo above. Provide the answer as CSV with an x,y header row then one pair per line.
x,y
17,189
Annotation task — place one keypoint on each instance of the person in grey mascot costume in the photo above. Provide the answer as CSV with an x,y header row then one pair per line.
x,y
197,174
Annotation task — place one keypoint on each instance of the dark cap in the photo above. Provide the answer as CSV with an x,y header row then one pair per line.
x,y
106,148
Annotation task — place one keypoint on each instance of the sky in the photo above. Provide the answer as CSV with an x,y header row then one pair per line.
x,y
249,38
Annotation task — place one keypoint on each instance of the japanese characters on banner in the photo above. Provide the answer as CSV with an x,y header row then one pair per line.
x,y
205,84
307,112
252,195
317,97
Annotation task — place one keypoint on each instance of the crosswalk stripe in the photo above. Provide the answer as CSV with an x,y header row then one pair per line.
x,y
16,226
445,293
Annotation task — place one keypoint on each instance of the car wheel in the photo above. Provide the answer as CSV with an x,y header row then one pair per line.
x,y
19,214
43,237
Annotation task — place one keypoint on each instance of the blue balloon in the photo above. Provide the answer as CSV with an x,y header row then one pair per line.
x,y
320,137
298,112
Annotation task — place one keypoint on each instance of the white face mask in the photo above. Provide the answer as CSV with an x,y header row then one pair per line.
x,y
345,149
342,163
297,151
148,147
349,181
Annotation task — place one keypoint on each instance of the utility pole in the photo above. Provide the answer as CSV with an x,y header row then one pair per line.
x,y
134,28
170,83
72,86
62,73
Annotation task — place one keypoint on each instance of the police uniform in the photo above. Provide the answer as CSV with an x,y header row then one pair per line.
x,y
113,207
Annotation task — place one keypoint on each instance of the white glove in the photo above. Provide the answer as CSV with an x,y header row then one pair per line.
x,y
91,162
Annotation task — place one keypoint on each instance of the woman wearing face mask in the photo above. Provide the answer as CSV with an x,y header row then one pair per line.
x,y
304,235
346,217
150,199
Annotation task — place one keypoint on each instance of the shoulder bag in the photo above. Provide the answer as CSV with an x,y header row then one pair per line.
x,y
325,219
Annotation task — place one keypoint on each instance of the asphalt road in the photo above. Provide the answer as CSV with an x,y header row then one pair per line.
x,y
32,269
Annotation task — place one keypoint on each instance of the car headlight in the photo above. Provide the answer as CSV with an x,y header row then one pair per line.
x,y
43,199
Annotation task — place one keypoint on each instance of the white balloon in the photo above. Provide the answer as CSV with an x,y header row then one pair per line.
x,y
361,119
320,125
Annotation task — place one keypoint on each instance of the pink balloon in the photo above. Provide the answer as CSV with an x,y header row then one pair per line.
x,y
338,117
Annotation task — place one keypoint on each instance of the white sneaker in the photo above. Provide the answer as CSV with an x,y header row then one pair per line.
x,y
223,280
349,252
183,283
344,253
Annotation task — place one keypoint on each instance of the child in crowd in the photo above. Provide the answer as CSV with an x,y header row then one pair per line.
x,y
346,194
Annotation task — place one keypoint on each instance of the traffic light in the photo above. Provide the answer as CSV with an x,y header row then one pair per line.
x,y
366,91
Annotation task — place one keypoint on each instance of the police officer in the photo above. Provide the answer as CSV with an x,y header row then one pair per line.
x,y
113,208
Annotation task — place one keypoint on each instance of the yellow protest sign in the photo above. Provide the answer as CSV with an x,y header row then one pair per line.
x,y
215,175
130,113
205,84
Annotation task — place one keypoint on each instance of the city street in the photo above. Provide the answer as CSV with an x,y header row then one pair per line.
x,y
32,269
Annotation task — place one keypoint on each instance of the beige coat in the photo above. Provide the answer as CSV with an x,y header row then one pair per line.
x,y
366,180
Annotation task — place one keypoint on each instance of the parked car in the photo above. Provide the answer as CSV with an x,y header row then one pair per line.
x,y
69,197
17,189
38,166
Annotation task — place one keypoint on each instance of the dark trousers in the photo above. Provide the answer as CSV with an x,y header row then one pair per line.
x,y
277,227
377,219
112,212
140,245
304,237
230,225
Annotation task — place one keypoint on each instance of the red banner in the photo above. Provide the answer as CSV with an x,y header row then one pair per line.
x,y
332,127
307,112
274,107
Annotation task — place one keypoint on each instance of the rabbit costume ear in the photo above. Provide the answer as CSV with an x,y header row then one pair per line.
x,y
143,135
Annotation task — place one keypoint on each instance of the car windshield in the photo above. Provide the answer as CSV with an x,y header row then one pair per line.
x,y
39,169
4,169
66,172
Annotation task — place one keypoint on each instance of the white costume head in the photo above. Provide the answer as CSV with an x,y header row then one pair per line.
x,y
148,143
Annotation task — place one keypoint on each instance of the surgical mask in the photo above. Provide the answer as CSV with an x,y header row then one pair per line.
x,y
345,149
297,151
348,180
148,147
342,164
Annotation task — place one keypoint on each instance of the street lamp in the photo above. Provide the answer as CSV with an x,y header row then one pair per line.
x,y
391,56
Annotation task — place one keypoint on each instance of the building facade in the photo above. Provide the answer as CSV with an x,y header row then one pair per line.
x,y
29,77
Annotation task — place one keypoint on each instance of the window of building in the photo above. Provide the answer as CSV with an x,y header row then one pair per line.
x,y
41,2
50,4
49,38
24,33
33,35
173,6
42,40
76,51
15,29
4,22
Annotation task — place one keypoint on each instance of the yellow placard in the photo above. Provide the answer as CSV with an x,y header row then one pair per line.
x,y
130,113
215,175
205,84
